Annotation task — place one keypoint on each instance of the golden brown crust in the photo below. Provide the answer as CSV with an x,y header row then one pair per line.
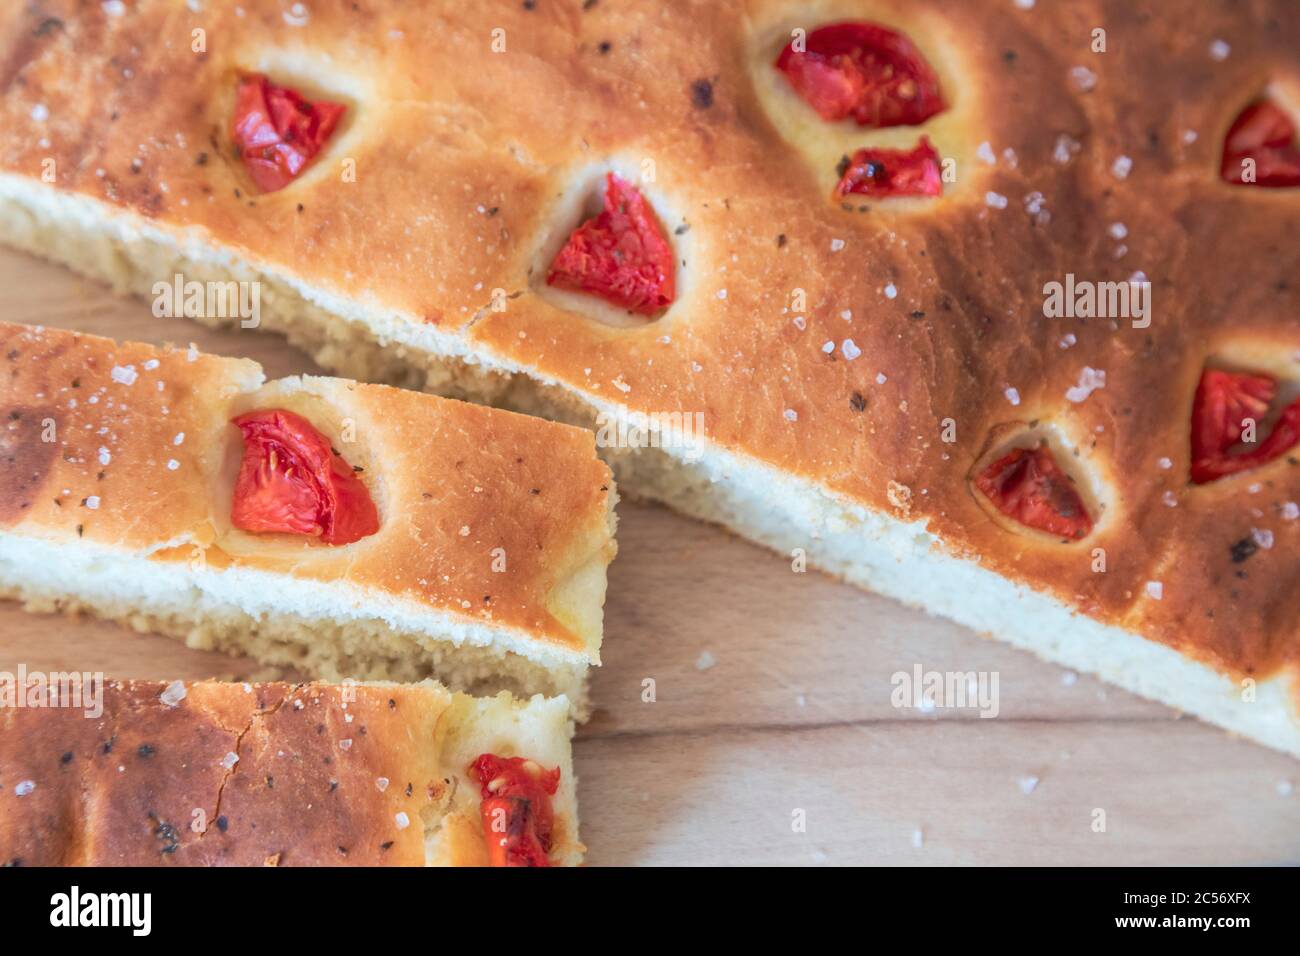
x,y
150,783
252,775
462,152
131,448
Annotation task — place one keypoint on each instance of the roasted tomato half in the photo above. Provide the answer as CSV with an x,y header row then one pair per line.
x,y
1028,486
621,254
278,132
1264,133
882,173
291,482
1225,403
516,809
864,71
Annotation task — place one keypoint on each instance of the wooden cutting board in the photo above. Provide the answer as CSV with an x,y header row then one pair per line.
x,y
771,738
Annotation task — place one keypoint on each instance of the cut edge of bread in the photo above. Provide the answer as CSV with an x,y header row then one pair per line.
x,y
331,631
869,548
539,728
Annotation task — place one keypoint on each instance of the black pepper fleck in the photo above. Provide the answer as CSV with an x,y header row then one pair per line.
x,y
702,94
1243,549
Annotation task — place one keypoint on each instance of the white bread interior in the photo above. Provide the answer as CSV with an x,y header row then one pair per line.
x,y
869,548
331,631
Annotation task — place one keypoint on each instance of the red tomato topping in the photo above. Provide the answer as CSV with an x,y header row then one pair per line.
x,y
864,71
290,481
516,809
1264,133
1223,402
278,132
1027,485
881,173
620,254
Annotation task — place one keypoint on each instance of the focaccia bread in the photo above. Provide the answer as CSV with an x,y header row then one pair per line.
x,y
842,265
146,773
123,491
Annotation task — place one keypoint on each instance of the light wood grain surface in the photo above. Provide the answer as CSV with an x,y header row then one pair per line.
x,y
772,738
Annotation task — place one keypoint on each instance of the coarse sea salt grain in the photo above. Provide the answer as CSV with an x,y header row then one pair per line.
x,y
1083,78
1219,50
124,374
1117,230
891,291
1122,166
1090,379
1028,785
24,787
705,661
828,346
40,112
1012,396
985,152
791,415
1165,463
1068,340
1290,511
837,245
996,200
345,743
1155,590
92,502
1262,537
173,693
850,350
229,760
1065,149
402,820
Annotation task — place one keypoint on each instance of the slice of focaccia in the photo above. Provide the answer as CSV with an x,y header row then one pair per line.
x,y
906,286
145,773
345,530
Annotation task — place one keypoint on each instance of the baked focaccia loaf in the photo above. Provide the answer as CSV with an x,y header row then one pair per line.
x,y
145,773
827,233
164,488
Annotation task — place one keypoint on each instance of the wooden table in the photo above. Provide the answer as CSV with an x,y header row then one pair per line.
x,y
773,703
